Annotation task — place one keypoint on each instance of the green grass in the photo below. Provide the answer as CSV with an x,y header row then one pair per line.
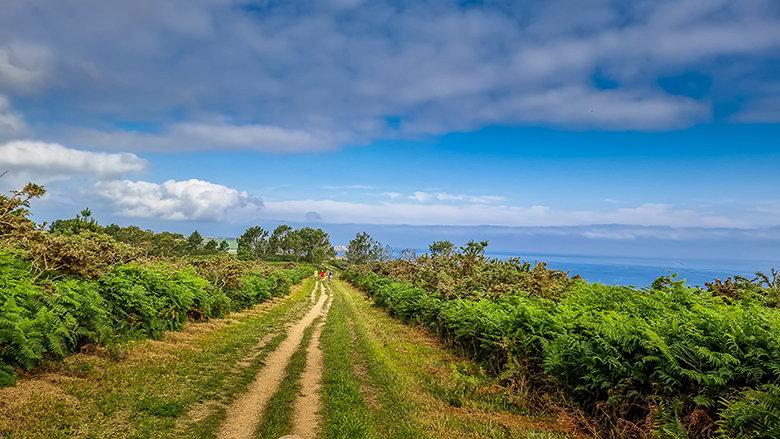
x,y
385,379
345,413
157,387
382,379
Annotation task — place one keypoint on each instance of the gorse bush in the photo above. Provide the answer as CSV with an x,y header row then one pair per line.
x,y
616,351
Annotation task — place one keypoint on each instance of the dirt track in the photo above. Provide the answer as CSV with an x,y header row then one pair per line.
x,y
307,406
244,413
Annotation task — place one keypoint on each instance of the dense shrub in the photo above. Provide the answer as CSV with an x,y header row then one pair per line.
x,y
753,414
617,351
47,318
46,321
86,254
81,283
469,274
145,301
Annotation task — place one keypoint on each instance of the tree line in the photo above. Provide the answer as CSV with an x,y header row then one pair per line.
x,y
284,243
150,243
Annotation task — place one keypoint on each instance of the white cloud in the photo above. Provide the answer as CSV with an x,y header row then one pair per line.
x,y
179,200
10,122
761,110
211,135
357,187
422,197
496,214
23,67
268,78
51,161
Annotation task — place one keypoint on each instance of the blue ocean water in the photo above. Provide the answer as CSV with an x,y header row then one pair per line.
x,y
641,272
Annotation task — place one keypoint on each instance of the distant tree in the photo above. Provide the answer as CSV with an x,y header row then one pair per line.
x,y
169,244
223,247
314,244
195,243
474,249
472,256
408,254
441,248
279,241
363,248
211,247
83,222
253,243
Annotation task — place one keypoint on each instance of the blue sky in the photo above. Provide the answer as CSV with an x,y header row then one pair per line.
x,y
216,114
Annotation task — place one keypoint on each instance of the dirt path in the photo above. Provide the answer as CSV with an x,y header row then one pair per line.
x,y
244,414
307,405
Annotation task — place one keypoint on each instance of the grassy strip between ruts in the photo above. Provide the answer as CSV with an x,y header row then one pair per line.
x,y
410,386
278,416
175,387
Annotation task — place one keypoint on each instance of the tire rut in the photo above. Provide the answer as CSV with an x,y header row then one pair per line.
x,y
307,406
244,413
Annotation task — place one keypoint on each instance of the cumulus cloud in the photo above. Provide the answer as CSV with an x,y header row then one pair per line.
x,y
179,200
51,161
262,76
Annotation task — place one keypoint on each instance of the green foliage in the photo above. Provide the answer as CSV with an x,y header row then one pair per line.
x,y
81,283
466,272
85,254
46,320
14,212
253,243
145,301
83,222
195,243
616,351
39,322
147,242
753,414
763,287
363,249
306,244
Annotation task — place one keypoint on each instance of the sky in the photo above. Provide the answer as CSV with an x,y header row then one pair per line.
x,y
658,118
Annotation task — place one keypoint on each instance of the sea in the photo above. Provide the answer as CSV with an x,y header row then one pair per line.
x,y
641,272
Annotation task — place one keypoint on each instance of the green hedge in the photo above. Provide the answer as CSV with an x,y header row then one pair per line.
x,y
46,320
615,350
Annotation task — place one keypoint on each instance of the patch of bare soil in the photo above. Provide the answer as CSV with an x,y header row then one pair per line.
x,y
244,413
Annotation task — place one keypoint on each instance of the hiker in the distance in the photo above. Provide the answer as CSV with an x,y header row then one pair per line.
x,y
330,276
